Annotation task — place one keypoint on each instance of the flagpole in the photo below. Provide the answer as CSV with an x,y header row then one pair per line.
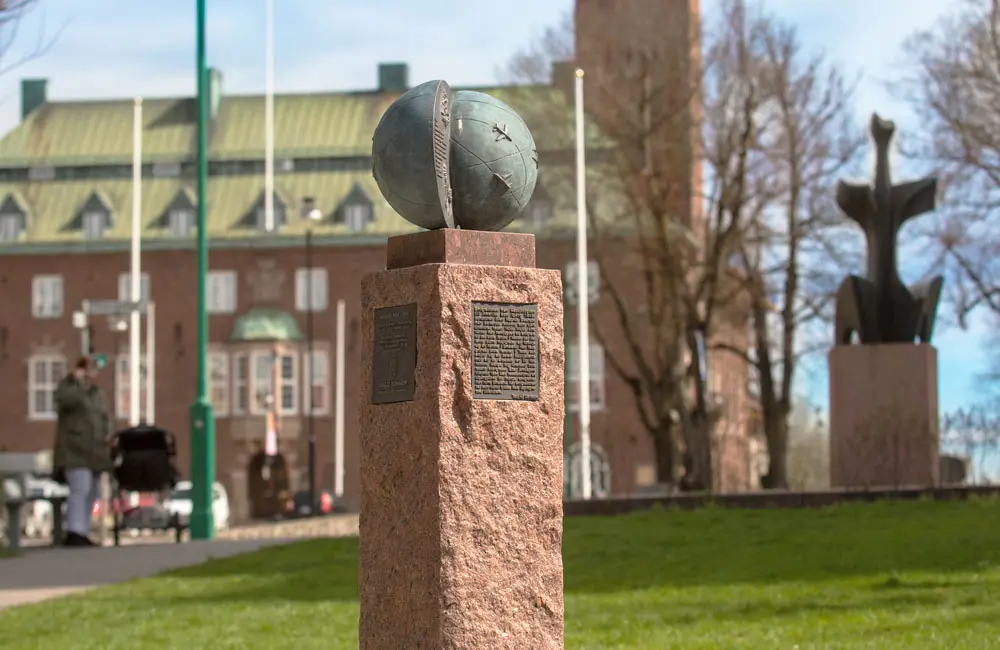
x,y
135,272
583,293
338,422
269,120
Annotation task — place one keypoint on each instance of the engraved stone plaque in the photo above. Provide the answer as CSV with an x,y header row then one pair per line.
x,y
394,357
505,351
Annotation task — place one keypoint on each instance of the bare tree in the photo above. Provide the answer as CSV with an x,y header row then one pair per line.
x,y
768,127
793,253
952,83
808,458
974,433
12,15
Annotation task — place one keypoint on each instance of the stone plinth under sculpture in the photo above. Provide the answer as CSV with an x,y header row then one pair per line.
x,y
883,370
461,466
462,380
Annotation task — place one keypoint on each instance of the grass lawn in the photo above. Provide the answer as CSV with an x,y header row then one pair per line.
x,y
906,575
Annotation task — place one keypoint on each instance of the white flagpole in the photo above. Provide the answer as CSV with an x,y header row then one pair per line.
x,y
338,423
135,273
151,363
583,293
269,121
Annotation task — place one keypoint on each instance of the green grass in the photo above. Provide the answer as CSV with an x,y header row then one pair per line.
x,y
905,575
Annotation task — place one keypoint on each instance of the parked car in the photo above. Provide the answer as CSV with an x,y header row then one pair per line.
x,y
298,505
179,503
133,500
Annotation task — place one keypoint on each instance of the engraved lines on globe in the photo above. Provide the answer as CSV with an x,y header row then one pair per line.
x,y
394,361
445,159
505,363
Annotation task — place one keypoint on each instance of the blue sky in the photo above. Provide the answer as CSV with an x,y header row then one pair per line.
x,y
112,48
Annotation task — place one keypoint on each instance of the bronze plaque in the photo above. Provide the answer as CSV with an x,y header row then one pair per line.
x,y
504,351
394,358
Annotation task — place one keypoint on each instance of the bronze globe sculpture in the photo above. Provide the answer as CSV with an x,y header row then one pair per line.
x,y
461,159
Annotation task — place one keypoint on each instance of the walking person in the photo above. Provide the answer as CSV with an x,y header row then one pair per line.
x,y
81,452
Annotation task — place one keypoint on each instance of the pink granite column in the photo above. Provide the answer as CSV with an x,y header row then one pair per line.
x,y
461,446
883,416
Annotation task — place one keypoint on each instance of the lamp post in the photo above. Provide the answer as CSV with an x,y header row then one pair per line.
x,y
117,325
312,215
202,420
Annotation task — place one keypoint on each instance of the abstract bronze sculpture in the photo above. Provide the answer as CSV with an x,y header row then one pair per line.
x,y
879,308
460,159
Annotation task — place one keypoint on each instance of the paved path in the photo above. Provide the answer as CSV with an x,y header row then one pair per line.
x,y
42,573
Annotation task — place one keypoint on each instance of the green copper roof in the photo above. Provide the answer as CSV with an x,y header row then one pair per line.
x,y
265,324
337,127
341,124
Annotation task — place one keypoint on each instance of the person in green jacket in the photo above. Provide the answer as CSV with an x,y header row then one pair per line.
x,y
81,453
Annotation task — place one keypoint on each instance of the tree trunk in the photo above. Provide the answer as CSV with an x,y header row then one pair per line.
x,y
777,448
668,455
698,459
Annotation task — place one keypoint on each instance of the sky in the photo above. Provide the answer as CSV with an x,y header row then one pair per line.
x,y
113,48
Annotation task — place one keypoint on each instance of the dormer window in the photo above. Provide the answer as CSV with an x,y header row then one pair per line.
x,y
181,222
179,216
256,216
539,210
279,218
356,211
357,217
13,219
93,224
93,218
11,226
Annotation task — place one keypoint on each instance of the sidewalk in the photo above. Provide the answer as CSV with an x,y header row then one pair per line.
x,y
43,573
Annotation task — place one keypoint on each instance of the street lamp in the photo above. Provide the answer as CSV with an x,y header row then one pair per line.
x,y
312,214
202,420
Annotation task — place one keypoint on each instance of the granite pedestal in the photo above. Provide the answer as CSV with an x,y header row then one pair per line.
x,y
883,416
461,446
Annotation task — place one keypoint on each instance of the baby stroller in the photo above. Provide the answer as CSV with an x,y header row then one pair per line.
x,y
143,462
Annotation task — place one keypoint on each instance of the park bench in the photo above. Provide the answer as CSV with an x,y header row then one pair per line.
x,y
14,508
17,466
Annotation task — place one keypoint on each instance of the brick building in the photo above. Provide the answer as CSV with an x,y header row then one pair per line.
x,y
65,212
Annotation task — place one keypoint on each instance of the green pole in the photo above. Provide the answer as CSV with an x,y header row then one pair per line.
x,y
202,420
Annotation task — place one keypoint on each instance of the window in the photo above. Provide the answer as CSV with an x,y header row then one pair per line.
x,y
316,391
218,382
357,216
181,223
279,217
123,386
44,374
241,377
47,296
753,374
93,224
221,292
571,282
317,288
596,378
539,212
289,385
166,170
264,375
125,288
41,173
10,227
262,389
